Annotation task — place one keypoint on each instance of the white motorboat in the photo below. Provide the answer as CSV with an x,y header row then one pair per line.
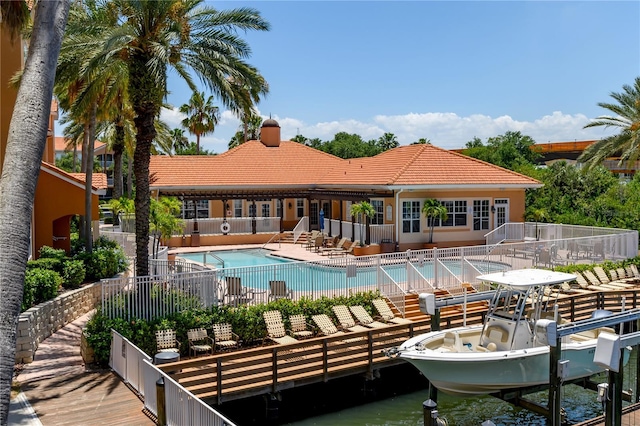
x,y
510,349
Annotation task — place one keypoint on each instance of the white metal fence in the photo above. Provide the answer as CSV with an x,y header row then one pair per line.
x,y
156,296
232,225
392,274
181,406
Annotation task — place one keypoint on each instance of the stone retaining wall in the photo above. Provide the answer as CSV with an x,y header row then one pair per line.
x,y
41,321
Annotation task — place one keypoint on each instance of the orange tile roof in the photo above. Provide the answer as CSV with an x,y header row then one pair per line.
x,y
60,144
76,179
253,165
249,165
98,180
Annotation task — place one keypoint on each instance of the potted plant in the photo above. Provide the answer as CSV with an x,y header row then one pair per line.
x,y
361,211
538,215
433,210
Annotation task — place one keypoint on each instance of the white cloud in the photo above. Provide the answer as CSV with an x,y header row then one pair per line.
x,y
444,129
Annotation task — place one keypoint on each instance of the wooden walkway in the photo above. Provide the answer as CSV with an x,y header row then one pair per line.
x,y
89,399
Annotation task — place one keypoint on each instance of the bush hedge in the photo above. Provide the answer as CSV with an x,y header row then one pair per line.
x,y
107,259
246,321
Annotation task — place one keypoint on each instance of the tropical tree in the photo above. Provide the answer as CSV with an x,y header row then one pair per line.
x,y
179,140
189,37
202,116
626,118
361,211
26,140
538,215
387,141
249,130
433,211
164,220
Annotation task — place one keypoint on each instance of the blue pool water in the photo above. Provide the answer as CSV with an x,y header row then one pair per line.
x,y
235,258
256,268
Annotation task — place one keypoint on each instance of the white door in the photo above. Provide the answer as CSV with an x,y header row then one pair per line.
x,y
501,215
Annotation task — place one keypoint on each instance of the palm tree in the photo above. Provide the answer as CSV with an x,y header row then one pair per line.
x,y
249,130
433,210
361,211
26,140
626,118
190,38
179,140
202,116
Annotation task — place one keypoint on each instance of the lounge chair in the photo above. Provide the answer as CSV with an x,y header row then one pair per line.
x,y
299,327
278,290
311,239
635,271
275,328
364,318
199,342
166,341
346,319
237,294
224,337
325,325
344,251
613,282
338,247
586,285
601,274
386,313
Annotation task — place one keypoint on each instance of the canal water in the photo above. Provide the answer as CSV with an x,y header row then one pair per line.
x,y
396,398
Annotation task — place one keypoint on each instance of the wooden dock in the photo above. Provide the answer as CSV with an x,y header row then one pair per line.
x,y
270,369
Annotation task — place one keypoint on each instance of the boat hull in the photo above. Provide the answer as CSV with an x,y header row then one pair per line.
x,y
478,373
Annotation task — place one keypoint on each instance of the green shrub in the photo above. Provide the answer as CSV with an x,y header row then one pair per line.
x,y
98,334
103,262
51,253
51,264
45,283
73,273
28,294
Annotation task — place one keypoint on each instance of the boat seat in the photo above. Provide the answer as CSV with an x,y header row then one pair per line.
x,y
451,342
496,333
491,347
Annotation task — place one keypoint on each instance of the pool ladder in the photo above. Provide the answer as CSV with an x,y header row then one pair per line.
x,y
204,258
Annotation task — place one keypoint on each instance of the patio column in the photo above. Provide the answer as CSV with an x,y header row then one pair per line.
x,y
282,211
254,213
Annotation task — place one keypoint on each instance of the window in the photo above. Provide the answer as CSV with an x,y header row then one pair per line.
x,y
480,214
189,208
456,213
300,207
410,216
279,208
378,217
266,210
237,208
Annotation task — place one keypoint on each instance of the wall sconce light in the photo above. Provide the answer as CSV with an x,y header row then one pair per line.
x,y
493,209
290,205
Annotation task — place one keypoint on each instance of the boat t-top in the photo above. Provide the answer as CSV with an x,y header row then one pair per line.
x,y
507,351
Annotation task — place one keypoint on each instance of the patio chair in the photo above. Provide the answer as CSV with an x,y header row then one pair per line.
x,y
601,274
278,290
624,276
325,325
586,285
166,341
386,313
346,319
199,342
275,328
635,271
364,318
319,243
344,251
299,327
338,247
224,337
606,282
311,239
236,294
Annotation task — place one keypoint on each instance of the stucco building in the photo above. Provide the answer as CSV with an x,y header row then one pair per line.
x,y
275,178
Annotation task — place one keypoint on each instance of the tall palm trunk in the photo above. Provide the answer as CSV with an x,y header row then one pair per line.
x,y
118,148
25,146
88,234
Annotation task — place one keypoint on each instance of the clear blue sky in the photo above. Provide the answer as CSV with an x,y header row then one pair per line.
x,y
446,70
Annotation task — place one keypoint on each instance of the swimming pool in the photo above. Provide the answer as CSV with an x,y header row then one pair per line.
x,y
235,258
256,269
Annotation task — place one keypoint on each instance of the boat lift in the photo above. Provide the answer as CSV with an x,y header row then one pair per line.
x,y
554,332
